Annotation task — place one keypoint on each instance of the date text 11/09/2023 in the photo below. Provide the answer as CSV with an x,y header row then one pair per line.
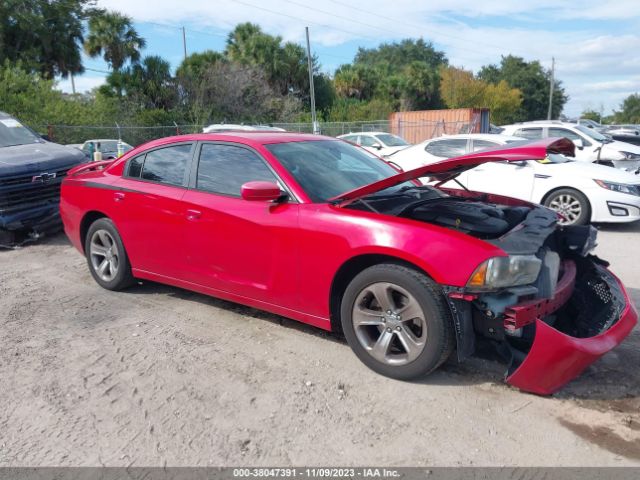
x,y
315,473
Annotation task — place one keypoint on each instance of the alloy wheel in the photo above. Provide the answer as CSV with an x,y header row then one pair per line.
x,y
389,323
104,254
568,206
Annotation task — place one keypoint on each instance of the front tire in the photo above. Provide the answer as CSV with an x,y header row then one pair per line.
x,y
571,204
396,321
107,259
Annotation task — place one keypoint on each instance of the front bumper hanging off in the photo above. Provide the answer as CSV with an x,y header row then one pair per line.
x,y
592,315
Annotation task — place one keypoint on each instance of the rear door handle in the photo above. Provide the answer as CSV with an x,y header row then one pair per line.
x,y
193,214
118,196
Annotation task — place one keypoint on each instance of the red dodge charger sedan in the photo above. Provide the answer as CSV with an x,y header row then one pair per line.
x,y
319,230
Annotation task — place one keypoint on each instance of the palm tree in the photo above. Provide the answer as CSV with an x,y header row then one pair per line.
x,y
112,35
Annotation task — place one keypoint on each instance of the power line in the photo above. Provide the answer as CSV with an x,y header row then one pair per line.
x,y
443,34
96,70
190,30
247,4
384,29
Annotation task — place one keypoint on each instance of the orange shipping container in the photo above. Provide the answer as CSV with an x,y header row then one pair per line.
x,y
418,126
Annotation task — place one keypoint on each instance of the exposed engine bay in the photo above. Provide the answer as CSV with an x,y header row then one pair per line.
x,y
429,204
573,292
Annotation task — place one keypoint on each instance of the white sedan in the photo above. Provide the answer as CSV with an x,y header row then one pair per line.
x,y
582,192
381,144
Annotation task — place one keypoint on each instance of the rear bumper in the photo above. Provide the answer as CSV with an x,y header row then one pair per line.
x,y
555,358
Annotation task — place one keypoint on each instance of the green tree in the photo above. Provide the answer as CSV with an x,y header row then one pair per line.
x,y
148,84
196,64
285,65
591,115
533,81
325,93
352,110
394,56
355,81
45,36
231,92
112,36
403,74
459,89
36,102
629,110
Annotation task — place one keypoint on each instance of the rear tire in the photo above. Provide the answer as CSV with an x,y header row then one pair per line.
x,y
396,321
570,203
107,259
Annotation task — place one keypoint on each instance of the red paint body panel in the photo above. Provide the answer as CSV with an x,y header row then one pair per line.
x,y
556,358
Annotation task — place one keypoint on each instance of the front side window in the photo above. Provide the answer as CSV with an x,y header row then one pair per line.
x,y
530,133
563,132
164,165
484,145
327,168
391,140
449,148
225,168
135,166
589,132
367,141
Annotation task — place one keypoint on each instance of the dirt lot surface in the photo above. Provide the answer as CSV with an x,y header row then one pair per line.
x,y
161,376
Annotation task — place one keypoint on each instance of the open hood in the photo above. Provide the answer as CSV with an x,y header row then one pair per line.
x,y
452,167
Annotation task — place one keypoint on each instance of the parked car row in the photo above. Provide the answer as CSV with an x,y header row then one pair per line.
x,y
581,192
108,148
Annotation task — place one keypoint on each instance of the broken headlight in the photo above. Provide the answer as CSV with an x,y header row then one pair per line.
x,y
499,272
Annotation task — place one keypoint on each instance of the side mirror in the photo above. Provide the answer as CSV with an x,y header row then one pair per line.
x,y
260,191
578,143
377,146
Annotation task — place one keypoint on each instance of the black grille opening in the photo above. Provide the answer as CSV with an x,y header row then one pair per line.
x,y
22,192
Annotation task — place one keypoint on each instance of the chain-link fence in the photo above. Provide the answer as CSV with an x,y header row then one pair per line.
x,y
133,135
136,135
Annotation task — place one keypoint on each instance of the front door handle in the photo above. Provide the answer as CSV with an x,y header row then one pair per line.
x,y
118,196
193,214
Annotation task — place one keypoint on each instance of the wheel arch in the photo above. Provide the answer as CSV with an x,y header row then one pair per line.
x,y
347,272
555,189
88,218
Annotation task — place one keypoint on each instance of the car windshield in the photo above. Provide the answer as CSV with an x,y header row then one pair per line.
x,y
12,133
391,140
328,168
591,133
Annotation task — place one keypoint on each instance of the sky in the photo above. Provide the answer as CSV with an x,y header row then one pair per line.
x,y
595,43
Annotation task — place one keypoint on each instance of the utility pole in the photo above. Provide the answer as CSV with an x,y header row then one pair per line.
x,y
184,42
312,93
551,86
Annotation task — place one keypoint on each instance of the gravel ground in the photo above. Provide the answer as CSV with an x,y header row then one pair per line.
x,y
161,376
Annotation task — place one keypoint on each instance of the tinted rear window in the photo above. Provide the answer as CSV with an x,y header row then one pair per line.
x,y
165,165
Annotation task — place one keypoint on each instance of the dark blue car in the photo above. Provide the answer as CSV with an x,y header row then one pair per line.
x,y
31,171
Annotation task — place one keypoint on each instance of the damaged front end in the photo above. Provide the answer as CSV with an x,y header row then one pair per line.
x,y
549,329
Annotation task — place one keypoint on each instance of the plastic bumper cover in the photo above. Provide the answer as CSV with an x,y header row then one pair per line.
x,y
555,357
